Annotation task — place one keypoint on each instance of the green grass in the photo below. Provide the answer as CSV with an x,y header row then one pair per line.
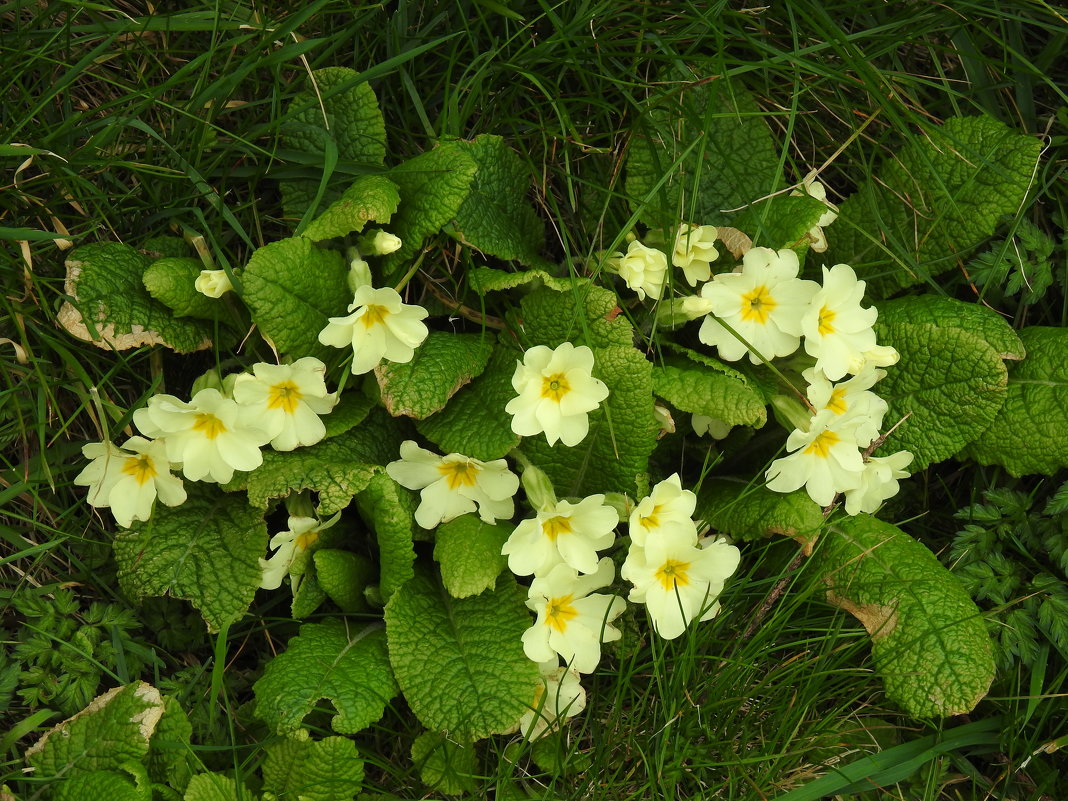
x,y
167,124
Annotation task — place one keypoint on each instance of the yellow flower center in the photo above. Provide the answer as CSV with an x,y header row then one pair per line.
x,y
555,526
822,444
209,425
825,324
837,403
555,386
757,305
285,396
140,467
459,474
672,574
559,611
373,314
304,541
651,520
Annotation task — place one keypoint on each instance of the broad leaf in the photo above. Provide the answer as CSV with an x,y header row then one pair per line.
x,y
170,759
460,662
205,551
929,639
469,553
337,660
344,576
131,785
949,313
486,279
551,318
313,770
753,512
445,765
781,221
171,282
714,394
388,509
214,787
441,365
369,198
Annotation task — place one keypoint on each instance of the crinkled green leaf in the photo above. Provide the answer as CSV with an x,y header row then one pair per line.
x,y
205,551
309,595
469,553
113,730
352,127
369,198
474,422
389,510
445,765
551,318
313,770
486,279
441,365
214,787
433,186
292,288
1030,432
614,456
170,758
725,153
929,639
781,221
950,382
161,247
496,217
709,393
112,309
949,313
936,199
351,410
101,784
338,660
170,281
460,662
344,575
752,512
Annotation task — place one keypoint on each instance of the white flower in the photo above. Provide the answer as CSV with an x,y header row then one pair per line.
x,y
680,583
878,482
764,304
454,485
665,516
213,283
663,419
290,546
694,251
838,332
384,243
379,327
850,401
825,460
359,275
556,390
565,532
130,479
209,435
879,356
713,426
643,268
814,188
286,401
572,622
558,696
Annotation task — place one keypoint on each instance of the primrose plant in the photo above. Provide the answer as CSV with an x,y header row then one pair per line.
x,y
477,482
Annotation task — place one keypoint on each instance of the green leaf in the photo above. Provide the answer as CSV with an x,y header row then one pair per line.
x,y
351,410
950,382
352,127
170,758
112,309
292,288
469,553
486,279
929,639
754,512
939,197
496,217
336,660
309,595
332,468
474,422
781,221
710,140
445,765
205,551
160,247
313,770
170,281
388,509
709,393
104,784
441,365
949,313
433,186
614,456
551,318
344,575
460,662
371,197
113,730
1030,432
214,787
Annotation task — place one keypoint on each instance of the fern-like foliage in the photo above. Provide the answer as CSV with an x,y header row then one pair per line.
x,y
1012,556
1020,265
